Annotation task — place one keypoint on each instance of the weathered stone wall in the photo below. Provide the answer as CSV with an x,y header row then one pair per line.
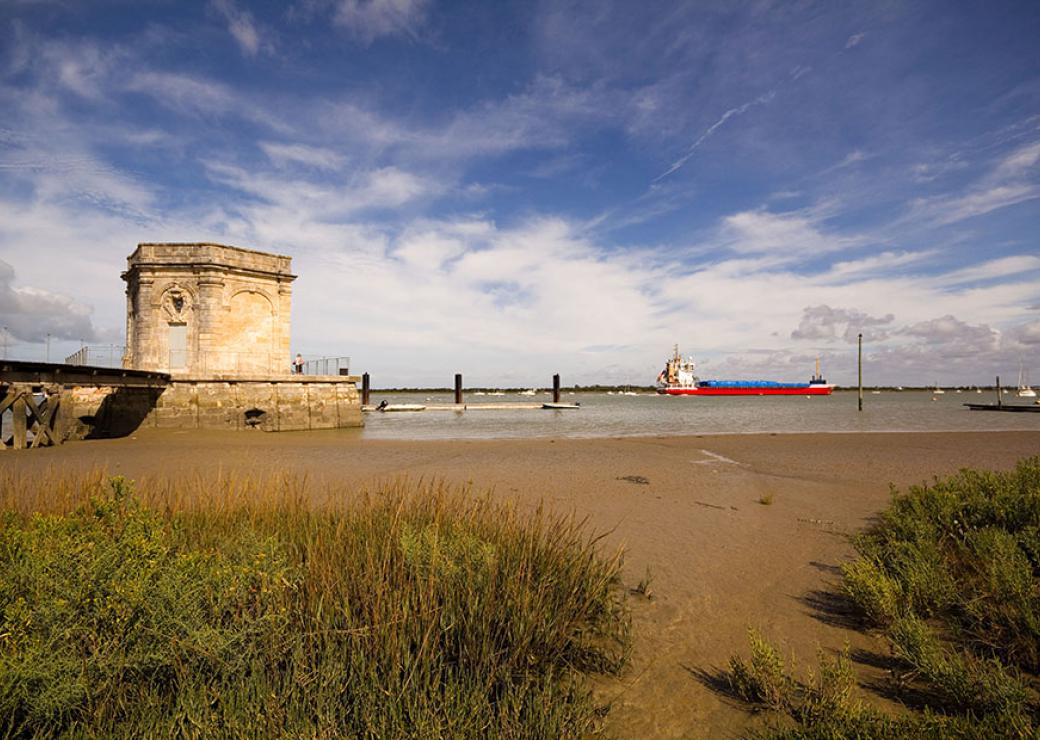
x,y
232,305
95,412
272,405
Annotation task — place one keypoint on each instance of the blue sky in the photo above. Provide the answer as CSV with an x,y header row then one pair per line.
x,y
512,190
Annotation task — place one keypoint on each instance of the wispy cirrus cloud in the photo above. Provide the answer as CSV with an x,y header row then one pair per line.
x,y
737,111
243,28
1013,179
199,96
372,19
317,157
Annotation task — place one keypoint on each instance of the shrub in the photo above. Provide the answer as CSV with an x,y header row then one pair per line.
x,y
962,681
411,612
963,551
951,574
878,595
764,680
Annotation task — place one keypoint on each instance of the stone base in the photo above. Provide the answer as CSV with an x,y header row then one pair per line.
x,y
273,405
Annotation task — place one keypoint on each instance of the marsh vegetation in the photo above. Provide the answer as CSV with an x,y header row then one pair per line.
x,y
949,575
245,609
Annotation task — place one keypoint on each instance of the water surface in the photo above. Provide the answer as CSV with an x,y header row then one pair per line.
x,y
603,415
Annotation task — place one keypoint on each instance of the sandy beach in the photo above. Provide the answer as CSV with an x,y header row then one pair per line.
x,y
687,510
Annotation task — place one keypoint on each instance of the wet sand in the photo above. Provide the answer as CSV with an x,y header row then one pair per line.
x,y
720,560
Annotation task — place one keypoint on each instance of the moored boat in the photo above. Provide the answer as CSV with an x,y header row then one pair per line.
x,y
391,407
679,379
1024,389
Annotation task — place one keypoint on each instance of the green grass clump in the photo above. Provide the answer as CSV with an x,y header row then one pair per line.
x,y
964,552
950,574
249,612
764,679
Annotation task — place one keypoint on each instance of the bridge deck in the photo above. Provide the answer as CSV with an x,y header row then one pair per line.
x,y
17,371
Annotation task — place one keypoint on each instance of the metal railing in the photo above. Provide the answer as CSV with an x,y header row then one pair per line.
x,y
101,355
211,362
323,366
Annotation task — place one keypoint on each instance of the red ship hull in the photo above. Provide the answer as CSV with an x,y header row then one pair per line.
x,y
812,390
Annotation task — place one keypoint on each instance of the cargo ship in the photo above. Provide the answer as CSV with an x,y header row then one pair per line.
x,y
678,379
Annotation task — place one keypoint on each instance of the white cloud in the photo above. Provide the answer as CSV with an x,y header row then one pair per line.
x,y
879,264
853,157
200,97
1003,267
958,338
826,323
242,27
311,156
1027,334
1008,183
854,40
1020,162
372,19
382,188
793,236
981,202
30,314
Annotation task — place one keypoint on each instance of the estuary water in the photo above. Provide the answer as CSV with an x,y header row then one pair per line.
x,y
647,414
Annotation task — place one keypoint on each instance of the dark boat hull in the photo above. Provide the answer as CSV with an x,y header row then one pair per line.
x,y
1002,407
810,390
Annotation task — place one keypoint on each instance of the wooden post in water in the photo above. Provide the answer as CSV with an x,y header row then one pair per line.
x,y
556,388
1000,399
458,389
365,390
860,372
18,419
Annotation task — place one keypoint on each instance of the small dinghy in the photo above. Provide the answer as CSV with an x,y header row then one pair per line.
x,y
401,407
561,405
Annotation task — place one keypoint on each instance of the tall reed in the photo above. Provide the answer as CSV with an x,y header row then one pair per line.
x,y
238,606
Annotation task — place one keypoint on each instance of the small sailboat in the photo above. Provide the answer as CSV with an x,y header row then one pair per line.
x,y
937,391
1024,390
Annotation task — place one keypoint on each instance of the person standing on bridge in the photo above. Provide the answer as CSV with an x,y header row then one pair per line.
x,y
298,364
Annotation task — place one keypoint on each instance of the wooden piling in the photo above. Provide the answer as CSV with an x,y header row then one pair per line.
x,y
556,388
365,390
18,411
458,389
1000,393
860,365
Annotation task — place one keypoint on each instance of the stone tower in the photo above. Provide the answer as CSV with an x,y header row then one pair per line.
x,y
208,311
